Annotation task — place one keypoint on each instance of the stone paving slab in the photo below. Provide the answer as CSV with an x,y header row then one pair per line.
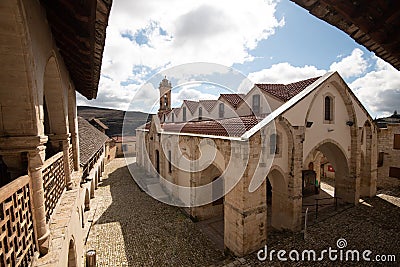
x,y
132,229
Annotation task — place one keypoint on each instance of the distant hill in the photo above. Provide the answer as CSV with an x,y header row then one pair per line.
x,y
113,118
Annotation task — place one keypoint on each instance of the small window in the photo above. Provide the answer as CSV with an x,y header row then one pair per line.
x,y
396,141
221,110
184,114
273,144
169,161
200,113
256,104
173,117
328,109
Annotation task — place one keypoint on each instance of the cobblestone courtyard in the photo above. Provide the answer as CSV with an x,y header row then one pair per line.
x,y
132,229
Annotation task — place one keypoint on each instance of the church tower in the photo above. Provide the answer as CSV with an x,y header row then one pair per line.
x,y
165,95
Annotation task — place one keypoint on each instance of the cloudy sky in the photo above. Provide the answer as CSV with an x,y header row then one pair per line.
x,y
269,41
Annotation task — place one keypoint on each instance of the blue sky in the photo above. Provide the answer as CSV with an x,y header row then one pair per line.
x,y
268,41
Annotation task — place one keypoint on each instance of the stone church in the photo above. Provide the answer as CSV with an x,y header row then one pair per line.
x,y
314,120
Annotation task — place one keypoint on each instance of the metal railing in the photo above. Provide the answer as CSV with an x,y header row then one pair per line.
x,y
53,182
318,204
17,237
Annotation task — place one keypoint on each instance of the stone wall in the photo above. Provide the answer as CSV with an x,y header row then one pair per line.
x,y
390,156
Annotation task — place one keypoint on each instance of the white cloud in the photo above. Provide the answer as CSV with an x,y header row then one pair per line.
x,y
285,73
185,31
352,65
175,32
189,93
379,90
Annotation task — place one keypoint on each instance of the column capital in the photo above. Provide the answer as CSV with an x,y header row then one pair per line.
x,y
36,158
16,144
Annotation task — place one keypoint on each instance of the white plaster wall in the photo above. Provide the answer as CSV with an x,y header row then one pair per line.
x,y
319,131
267,103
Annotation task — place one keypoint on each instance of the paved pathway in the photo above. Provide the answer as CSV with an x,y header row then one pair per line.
x,y
132,229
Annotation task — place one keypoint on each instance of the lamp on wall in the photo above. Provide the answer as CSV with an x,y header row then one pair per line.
x,y
309,124
349,123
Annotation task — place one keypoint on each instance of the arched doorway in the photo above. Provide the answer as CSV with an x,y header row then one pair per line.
x,y
277,199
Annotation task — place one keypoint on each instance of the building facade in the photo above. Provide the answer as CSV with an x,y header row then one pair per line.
x,y
318,118
389,152
49,50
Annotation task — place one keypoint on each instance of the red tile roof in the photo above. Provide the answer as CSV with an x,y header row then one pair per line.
x,y
233,127
285,92
233,99
208,104
192,105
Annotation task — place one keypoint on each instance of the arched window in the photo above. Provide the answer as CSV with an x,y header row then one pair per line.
x,y
221,110
274,144
328,109
200,113
256,104
184,114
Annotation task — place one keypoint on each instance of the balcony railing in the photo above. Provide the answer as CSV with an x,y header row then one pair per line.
x,y
53,182
71,159
17,237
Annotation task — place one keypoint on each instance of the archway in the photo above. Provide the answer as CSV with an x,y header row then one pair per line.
x,y
72,258
211,216
54,108
277,199
342,185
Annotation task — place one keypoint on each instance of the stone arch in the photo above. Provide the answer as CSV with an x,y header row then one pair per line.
x,y
336,155
87,200
54,108
278,181
288,130
72,256
54,94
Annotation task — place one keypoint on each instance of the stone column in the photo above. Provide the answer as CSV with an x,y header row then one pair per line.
x,y
295,195
63,142
67,168
75,149
245,213
35,163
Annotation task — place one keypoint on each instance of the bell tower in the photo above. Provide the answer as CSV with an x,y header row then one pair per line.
x,y
165,95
